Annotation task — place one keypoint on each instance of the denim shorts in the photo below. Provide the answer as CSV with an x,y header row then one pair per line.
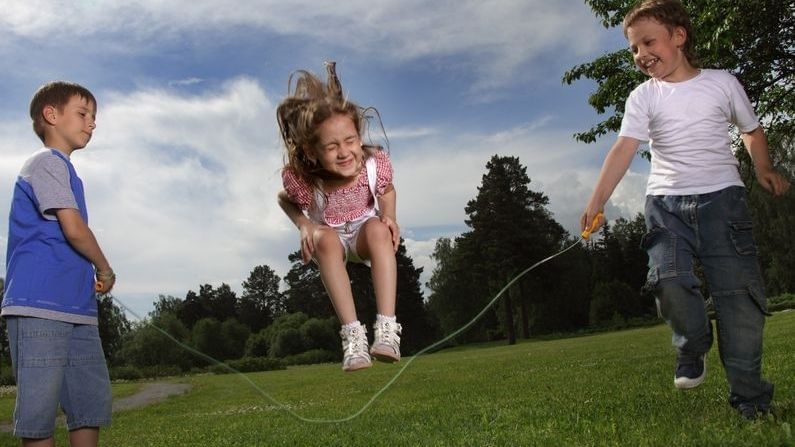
x,y
57,364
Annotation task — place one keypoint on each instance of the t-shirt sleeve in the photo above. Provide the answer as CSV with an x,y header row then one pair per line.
x,y
383,172
297,189
743,115
49,178
635,123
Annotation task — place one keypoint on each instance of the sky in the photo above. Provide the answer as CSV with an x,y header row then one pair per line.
x,y
182,173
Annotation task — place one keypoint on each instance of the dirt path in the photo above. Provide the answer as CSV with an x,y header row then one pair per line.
x,y
150,393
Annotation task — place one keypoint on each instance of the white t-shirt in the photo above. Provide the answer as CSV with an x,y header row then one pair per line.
x,y
687,127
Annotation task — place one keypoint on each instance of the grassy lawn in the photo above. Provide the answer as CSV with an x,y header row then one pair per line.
x,y
605,389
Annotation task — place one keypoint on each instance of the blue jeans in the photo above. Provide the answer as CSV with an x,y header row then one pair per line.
x,y
57,363
716,229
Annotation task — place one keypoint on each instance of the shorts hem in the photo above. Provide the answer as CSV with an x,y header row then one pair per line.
x,y
29,434
88,423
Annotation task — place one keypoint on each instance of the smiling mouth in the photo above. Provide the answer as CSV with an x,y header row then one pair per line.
x,y
649,63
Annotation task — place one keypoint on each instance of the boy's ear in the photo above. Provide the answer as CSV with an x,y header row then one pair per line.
x,y
50,114
680,36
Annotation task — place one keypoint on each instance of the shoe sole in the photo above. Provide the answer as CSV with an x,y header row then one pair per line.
x,y
686,383
357,367
385,356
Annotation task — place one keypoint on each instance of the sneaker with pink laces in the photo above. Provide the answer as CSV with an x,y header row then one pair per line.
x,y
354,349
386,346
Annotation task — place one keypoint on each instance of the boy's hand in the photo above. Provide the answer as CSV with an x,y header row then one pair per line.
x,y
394,230
307,231
772,181
591,220
105,281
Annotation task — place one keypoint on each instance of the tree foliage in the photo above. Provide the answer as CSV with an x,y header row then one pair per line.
x,y
755,41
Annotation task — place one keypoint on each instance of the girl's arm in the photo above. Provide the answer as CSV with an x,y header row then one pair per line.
x,y
386,203
306,227
615,166
756,145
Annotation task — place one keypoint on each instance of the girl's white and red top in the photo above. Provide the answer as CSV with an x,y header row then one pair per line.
x,y
344,204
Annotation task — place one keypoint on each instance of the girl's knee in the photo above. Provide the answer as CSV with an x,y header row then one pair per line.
x,y
376,231
327,243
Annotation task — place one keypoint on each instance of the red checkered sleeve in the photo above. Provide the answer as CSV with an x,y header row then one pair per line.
x,y
297,189
383,172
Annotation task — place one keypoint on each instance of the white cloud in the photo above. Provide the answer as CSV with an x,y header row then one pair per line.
x,y
181,187
503,40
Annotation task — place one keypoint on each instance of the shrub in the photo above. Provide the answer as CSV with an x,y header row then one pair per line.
x,y
781,302
258,344
287,342
312,356
161,371
125,373
321,334
7,378
249,364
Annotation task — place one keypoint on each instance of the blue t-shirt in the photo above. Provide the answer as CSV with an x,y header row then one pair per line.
x,y
45,276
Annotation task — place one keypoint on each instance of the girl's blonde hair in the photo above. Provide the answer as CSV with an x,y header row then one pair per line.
x,y
669,13
305,108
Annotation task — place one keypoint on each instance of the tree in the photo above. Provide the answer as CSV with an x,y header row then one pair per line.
x,y
113,327
221,302
192,310
754,40
147,346
458,291
166,304
207,339
512,228
4,348
305,292
261,300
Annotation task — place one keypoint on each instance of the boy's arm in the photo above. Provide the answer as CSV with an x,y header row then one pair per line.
x,y
305,226
615,166
82,239
387,205
756,145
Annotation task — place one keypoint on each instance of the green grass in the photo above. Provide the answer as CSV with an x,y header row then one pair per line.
x,y
605,389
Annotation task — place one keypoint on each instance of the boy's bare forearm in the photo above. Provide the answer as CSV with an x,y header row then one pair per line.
x,y
81,238
615,166
756,144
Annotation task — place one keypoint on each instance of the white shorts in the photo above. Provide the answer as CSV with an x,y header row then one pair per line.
x,y
349,234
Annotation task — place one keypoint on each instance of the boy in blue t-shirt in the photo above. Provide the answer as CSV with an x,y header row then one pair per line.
x,y
49,303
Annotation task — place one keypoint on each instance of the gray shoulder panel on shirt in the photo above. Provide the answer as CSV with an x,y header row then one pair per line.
x,y
48,175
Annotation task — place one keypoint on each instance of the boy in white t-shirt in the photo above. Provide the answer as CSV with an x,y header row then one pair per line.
x,y
695,200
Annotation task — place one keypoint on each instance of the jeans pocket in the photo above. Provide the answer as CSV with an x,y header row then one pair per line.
x,y
758,297
742,237
660,245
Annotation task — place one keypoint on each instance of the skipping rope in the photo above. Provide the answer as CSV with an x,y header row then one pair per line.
x,y
585,235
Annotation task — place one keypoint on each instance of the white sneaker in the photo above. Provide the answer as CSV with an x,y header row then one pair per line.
x,y
386,346
354,349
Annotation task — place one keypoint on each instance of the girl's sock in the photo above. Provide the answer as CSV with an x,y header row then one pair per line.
x,y
351,325
379,318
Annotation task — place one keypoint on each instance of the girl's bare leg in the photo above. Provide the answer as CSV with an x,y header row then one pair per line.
x,y
330,258
375,243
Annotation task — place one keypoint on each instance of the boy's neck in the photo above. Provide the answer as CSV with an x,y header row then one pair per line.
x,y
60,148
685,72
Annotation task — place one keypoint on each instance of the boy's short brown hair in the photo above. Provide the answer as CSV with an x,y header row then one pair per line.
x,y
56,94
669,13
